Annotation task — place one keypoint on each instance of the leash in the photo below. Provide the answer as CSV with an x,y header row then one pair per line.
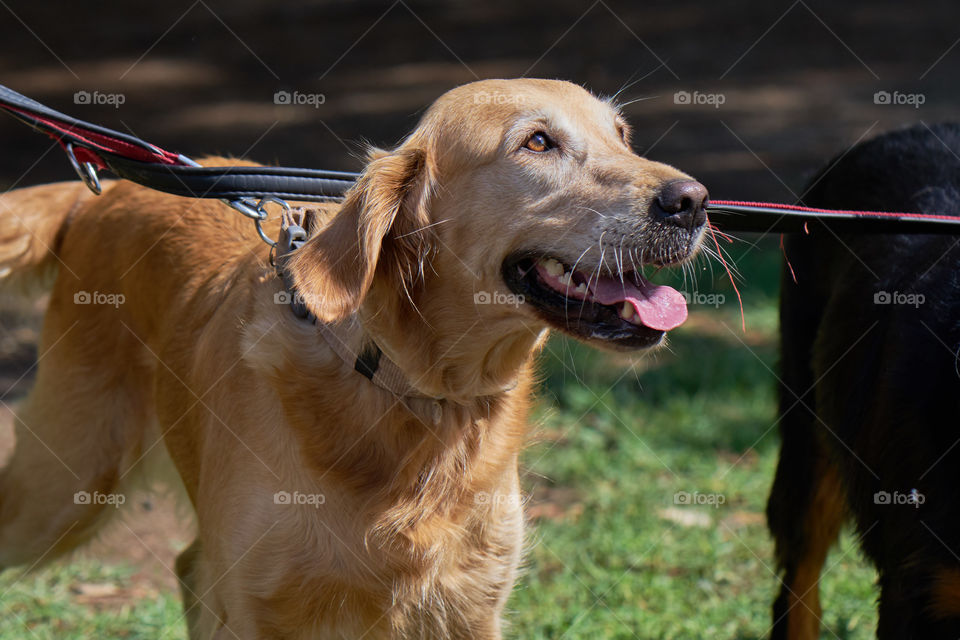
x,y
764,217
92,148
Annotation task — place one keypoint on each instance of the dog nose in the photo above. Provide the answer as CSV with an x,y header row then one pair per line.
x,y
681,203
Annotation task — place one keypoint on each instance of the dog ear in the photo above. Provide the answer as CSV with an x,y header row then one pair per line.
x,y
377,226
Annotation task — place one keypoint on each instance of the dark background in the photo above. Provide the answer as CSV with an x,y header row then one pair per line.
x,y
798,78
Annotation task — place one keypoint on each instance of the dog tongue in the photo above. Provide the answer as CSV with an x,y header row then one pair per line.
x,y
659,307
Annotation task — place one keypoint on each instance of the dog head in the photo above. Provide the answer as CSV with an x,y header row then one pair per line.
x,y
515,204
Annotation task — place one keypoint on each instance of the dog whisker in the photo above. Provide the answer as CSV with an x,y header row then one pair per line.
x,y
566,309
641,99
591,210
613,99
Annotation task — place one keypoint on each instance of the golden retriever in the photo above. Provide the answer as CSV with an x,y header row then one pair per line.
x,y
328,506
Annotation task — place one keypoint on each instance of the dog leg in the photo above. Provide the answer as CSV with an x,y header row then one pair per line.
x,y
54,493
807,504
204,616
804,528
77,433
186,567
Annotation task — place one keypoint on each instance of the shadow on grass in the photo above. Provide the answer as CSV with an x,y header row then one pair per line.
x,y
711,389
707,393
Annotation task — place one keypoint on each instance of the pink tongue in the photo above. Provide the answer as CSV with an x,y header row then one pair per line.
x,y
660,307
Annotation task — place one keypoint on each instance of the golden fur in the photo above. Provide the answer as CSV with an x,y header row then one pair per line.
x,y
420,533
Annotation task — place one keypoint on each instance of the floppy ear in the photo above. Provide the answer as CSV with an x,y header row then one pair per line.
x,y
377,225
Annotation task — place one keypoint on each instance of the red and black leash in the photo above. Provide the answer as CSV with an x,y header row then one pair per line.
x,y
92,148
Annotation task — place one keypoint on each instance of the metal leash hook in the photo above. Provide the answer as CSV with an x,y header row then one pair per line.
x,y
87,171
253,210
258,213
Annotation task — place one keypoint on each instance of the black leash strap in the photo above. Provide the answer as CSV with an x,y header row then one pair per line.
x,y
235,183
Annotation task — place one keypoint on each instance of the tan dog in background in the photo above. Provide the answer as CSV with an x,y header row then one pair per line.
x,y
516,205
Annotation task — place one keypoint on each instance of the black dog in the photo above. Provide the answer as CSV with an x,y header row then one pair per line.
x,y
870,391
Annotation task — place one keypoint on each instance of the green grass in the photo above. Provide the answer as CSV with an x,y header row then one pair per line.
x,y
615,443
42,606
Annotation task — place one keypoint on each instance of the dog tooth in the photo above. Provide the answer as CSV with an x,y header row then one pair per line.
x,y
581,288
552,267
627,311
565,279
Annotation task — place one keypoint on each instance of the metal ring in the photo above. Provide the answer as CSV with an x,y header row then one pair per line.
x,y
261,207
263,235
283,203
87,171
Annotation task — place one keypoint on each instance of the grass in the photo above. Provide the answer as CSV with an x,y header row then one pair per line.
x,y
43,606
611,554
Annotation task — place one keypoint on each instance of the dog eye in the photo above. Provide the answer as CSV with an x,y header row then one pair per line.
x,y
539,142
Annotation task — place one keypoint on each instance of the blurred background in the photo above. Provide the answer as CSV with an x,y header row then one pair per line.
x,y
750,97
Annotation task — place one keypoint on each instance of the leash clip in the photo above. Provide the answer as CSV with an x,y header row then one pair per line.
x,y
258,213
293,234
87,170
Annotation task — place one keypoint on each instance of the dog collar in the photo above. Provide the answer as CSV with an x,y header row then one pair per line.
x,y
367,360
